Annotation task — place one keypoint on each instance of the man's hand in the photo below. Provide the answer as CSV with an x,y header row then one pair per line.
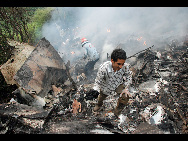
x,y
126,92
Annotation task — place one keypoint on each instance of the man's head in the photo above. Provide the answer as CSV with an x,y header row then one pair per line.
x,y
84,41
118,58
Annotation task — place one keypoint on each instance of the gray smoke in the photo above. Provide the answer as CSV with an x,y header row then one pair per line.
x,y
106,27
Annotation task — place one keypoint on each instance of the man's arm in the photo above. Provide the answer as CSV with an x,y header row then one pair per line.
x,y
85,53
127,77
99,79
128,81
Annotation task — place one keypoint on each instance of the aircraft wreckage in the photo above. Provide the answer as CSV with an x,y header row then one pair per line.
x,y
47,99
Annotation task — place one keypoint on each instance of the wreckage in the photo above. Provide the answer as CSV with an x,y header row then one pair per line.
x,y
33,66
49,101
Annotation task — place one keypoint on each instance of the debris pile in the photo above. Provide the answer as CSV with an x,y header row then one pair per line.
x,y
56,104
162,95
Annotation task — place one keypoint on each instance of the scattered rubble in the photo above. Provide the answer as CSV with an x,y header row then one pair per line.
x,y
49,100
18,118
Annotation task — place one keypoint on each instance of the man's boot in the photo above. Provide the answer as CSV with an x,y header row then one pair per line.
x,y
101,97
122,102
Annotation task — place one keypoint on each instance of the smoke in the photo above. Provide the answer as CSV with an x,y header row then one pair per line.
x,y
105,27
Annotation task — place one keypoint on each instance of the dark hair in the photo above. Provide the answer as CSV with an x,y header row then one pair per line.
x,y
118,54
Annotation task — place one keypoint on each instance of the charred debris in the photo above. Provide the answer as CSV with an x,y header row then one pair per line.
x,y
52,97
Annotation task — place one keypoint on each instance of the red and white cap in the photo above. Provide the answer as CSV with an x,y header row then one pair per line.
x,y
84,41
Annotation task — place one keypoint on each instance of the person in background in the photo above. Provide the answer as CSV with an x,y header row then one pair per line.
x,y
91,55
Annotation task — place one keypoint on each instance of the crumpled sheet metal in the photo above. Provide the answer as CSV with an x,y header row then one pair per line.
x,y
10,68
43,67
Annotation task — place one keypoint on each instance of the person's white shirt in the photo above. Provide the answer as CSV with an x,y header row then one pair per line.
x,y
107,80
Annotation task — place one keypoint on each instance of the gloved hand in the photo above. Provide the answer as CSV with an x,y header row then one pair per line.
x,y
92,94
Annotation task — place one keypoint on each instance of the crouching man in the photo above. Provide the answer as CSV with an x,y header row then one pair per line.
x,y
114,76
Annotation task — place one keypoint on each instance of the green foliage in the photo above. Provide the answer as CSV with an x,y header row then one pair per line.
x,y
22,24
13,23
41,16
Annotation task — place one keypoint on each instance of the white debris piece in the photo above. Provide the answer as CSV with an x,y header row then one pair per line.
x,y
163,81
153,114
122,118
157,87
158,116
100,131
12,100
38,101
158,54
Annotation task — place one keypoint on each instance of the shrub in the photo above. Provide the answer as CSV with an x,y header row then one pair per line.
x,y
41,16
